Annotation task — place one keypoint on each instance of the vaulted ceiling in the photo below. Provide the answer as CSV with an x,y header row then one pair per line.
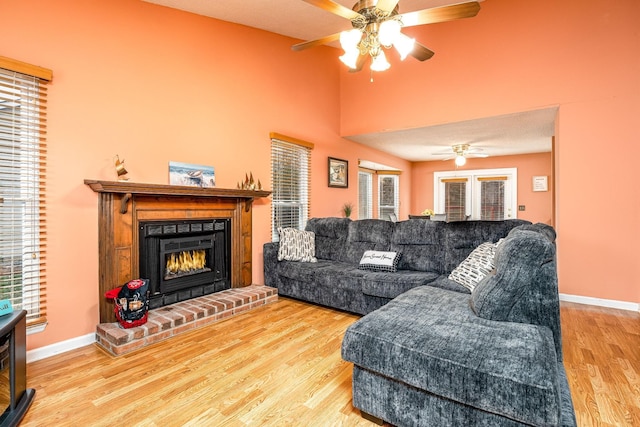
x,y
518,133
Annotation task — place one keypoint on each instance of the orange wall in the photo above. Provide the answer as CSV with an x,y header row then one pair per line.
x,y
153,84
538,204
583,57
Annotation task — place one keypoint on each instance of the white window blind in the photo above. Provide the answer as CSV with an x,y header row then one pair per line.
x,y
365,195
22,187
455,199
290,181
492,199
388,197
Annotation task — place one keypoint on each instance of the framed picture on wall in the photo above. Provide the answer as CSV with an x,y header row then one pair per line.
x,y
338,173
540,183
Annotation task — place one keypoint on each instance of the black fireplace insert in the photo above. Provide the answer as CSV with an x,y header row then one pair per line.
x,y
185,259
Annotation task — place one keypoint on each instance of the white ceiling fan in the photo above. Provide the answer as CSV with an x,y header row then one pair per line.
x,y
460,152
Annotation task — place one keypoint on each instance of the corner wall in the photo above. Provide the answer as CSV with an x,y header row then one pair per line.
x,y
519,56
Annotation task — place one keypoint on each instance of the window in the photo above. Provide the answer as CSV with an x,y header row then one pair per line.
x,y
290,179
492,199
365,195
489,194
22,187
455,199
387,197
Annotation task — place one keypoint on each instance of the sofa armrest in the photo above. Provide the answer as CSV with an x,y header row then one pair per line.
x,y
270,261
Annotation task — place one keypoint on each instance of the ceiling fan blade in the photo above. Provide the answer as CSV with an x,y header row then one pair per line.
x,y
440,14
420,52
359,63
387,5
316,42
483,155
335,8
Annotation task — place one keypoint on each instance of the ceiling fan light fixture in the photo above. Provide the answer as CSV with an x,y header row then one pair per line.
x,y
380,62
460,160
350,58
404,45
378,23
389,32
349,40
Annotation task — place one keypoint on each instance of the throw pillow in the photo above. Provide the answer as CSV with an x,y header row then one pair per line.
x,y
379,261
475,267
296,245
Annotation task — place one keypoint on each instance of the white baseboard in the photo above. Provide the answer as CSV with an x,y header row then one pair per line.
x,y
609,303
60,347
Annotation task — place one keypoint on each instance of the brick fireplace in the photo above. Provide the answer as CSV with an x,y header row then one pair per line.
x,y
126,209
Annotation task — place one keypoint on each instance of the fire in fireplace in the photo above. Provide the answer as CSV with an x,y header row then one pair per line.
x,y
185,259
185,263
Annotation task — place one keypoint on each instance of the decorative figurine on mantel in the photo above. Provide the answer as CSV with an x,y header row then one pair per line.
x,y
120,170
249,183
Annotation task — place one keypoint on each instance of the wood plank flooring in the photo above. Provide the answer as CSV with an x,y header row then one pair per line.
x,y
602,357
281,365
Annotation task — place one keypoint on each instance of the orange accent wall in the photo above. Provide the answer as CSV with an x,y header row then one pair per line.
x,y
583,57
538,205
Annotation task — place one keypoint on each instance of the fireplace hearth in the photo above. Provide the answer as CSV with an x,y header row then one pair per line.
x,y
184,259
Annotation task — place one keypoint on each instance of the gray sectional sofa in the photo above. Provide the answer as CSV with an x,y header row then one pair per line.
x,y
429,352
429,250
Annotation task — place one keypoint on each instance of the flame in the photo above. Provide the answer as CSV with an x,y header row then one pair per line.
x,y
186,261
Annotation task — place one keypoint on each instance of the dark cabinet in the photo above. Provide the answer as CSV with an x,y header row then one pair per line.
x,y
15,397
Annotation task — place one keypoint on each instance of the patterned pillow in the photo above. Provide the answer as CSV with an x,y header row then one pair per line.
x,y
297,245
475,267
379,261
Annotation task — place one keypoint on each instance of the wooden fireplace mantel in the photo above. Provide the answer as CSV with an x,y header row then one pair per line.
x,y
131,188
122,205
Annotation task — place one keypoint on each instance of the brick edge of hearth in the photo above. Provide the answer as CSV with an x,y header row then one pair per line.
x,y
171,320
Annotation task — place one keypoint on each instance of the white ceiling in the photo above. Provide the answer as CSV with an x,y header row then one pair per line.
x,y
519,133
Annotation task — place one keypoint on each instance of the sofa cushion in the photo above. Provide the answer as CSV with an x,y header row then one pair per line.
x,y
324,273
475,267
429,338
460,238
331,236
379,261
390,285
525,271
366,235
420,243
296,245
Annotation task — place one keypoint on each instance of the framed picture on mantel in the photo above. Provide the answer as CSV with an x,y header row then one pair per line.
x,y
191,175
338,173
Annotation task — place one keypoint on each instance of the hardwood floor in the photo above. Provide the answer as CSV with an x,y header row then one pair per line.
x,y
281,365
602,358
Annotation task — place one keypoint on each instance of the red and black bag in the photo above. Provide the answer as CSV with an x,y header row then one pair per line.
x,y
131,302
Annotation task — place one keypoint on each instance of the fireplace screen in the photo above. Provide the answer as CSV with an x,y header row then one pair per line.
x,y
185,259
